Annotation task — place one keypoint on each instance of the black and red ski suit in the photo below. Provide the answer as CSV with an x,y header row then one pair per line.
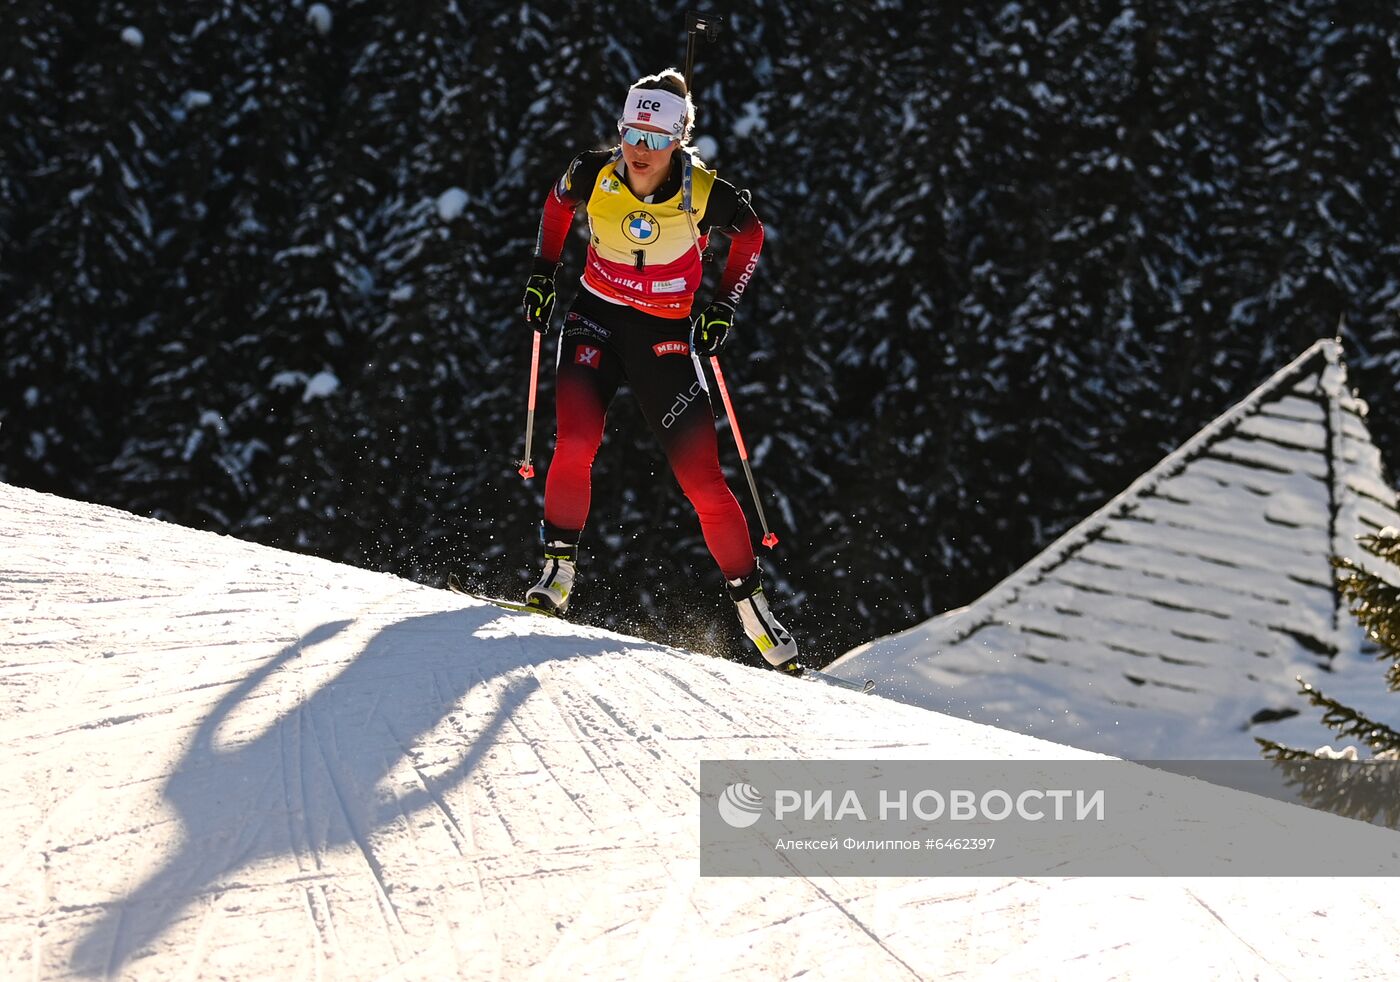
x,y
610,336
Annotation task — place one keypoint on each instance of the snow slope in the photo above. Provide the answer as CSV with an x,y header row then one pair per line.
x,y
220,760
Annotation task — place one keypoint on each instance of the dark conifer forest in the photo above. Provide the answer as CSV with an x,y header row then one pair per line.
x,y
261,266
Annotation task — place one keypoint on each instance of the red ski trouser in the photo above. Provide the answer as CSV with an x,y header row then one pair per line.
x,y
603,345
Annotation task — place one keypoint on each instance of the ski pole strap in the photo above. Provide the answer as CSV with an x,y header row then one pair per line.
x,y
686,195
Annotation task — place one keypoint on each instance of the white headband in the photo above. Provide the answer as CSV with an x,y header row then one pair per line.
x,y
656,108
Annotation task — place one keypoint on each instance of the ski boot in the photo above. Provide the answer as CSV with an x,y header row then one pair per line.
x,y
771,639
551,594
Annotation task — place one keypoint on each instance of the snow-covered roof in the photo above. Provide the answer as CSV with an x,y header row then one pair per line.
x,y
1173,621
219,760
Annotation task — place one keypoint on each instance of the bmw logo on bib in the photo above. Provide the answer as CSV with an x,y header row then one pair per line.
x,y
641,227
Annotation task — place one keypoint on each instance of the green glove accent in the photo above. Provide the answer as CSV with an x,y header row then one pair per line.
x,y
710,327
539,300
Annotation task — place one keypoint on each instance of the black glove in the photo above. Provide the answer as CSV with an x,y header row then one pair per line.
x,y
710,327
539,295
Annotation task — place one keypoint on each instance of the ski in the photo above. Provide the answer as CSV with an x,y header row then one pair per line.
x,y
825,679
456,586
811,674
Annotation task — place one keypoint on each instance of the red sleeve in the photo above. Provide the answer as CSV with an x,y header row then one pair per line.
x,y
744,246
563,200
555,223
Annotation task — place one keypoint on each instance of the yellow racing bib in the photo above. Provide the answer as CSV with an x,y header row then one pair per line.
x,y
646,254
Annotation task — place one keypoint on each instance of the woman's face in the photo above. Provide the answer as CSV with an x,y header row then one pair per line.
x,y
645,162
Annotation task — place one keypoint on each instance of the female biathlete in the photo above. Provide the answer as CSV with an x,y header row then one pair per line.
x,y
651,208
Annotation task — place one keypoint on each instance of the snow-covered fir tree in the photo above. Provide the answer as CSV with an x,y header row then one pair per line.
x,y
1359,783
262,262
1374,595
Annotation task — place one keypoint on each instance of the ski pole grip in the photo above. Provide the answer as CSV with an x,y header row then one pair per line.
x,y
697,23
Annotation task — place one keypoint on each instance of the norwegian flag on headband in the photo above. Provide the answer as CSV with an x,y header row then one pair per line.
x,y
655,107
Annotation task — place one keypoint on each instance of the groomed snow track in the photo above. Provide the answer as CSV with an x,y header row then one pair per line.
x,y
221,760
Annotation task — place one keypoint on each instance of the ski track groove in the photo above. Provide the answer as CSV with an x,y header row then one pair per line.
x,y
623,725
387,908
453,830
246,849
202,935
130,830
488,786
467,827
308,741
685,765
760,724
689,691
549,772
1234,934
115,946
861,925
578,725
299,836
702,722
323,925
101,724
615,765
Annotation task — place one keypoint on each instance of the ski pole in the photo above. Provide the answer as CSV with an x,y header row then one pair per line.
x,y
709,26
527,469
769,538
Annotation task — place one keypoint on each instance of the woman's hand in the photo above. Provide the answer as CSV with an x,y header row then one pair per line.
x,y
710,327
538,301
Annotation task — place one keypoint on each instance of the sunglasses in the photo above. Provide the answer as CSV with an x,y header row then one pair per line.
x,y
655,141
